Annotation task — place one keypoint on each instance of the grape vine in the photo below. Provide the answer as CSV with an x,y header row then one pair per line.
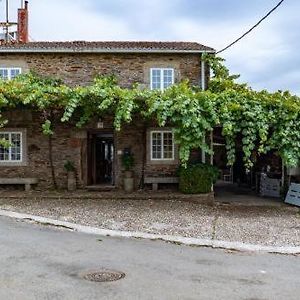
x,y
265,121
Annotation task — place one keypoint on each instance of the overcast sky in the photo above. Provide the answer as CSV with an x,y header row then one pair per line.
x,y
267,58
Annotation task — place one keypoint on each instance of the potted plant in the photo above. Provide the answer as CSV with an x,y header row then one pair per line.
x,y
70,168
128,162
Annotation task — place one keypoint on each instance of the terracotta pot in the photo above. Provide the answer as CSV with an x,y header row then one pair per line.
x,y
71,181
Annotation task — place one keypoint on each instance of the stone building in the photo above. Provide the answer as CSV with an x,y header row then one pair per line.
x,y
96,149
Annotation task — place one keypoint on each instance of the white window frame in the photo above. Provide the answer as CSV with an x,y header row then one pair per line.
x,y
21,147
9,71
162,132
161,77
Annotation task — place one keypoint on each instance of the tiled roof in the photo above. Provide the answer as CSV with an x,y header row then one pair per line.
x,y
117,47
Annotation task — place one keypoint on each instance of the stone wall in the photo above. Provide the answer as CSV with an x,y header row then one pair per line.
x,y
70,143
77,69
37,160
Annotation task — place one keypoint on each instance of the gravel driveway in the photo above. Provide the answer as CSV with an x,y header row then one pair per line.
x,y
277,226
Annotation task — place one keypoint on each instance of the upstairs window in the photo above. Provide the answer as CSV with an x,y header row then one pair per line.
x,y
162,145
161,78
9,73
13,153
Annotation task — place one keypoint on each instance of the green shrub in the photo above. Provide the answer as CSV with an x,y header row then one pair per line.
x,y
127,161
69,166
197,178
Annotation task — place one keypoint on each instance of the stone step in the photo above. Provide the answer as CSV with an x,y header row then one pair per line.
x,y
101,187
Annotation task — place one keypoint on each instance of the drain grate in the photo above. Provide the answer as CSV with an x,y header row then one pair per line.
x,y
103,276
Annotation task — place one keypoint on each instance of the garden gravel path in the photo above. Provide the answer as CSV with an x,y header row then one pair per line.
x,y
272,226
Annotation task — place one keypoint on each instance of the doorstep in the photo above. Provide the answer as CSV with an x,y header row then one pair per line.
x,y
100,187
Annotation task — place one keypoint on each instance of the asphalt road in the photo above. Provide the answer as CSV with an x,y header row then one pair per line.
x,y
40,262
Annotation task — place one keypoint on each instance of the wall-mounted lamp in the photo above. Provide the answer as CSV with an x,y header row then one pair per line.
x,y
100,124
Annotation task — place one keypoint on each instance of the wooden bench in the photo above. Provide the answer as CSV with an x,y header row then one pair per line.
x,y
27,182
156,180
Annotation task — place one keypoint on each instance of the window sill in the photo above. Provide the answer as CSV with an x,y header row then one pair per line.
x,y
13,164
163,162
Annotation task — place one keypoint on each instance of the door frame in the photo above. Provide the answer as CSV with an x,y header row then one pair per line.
x,y
90,156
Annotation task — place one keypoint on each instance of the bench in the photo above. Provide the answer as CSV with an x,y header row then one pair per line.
x,y
27,182
156,180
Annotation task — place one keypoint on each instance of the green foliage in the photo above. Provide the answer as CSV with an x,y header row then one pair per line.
x,y
264,121
5,143
190,111
69,166
47,128
127,161
197,178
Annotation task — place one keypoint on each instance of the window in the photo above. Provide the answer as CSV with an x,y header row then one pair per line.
x,y
14,152
161,78
9,73
162,145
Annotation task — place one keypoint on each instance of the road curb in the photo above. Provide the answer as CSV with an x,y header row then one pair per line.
x,y
238,246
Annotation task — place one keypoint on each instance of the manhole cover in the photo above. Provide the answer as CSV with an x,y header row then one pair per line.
x,y
103,276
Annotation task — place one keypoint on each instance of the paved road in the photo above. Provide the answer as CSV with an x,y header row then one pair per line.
x,y
39,262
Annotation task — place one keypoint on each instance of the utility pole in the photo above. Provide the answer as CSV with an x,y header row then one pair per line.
x,y
7,21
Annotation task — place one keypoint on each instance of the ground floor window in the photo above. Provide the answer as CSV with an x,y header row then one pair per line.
x,y
12,153
162,145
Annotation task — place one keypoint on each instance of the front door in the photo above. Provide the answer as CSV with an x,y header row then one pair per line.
x,y
100,159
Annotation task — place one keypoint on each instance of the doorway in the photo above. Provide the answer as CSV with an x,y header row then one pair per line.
x,y
236,182
100,158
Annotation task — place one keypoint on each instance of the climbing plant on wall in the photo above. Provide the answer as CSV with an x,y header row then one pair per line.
x,y
262,120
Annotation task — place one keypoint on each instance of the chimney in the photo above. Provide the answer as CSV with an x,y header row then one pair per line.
x,y
23,24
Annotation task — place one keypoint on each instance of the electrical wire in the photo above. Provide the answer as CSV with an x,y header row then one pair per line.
x,y
31,38
253,27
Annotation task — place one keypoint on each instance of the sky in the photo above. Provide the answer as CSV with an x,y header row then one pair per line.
x,y
268,58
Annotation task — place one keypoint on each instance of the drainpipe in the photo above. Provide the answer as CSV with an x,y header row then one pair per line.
x,y
203,85
203,81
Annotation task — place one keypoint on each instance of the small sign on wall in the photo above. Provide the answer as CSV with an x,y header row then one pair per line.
x,y
100,125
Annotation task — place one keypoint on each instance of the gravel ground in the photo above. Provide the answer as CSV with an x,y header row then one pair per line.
x,y
276,226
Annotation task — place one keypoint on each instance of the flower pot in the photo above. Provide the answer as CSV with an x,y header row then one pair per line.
x,y
128,174
128,184
71,181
